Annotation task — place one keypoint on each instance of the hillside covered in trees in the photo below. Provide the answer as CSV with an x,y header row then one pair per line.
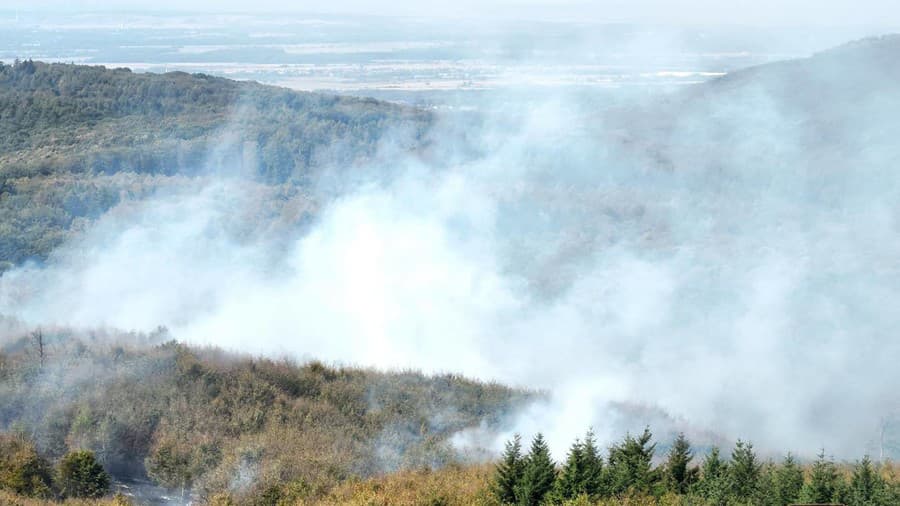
x,y
70,118
207,422
76,140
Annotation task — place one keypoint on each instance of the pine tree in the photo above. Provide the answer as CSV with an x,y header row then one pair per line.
x,y
582,473
744,471
824,482
867,487
509,471
714,483
891,493
788,481
630,464
539,475
766,491
593,466
679,473
569,484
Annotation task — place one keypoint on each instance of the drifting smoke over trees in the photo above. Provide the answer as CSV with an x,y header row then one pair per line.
x,y
202,422
77,140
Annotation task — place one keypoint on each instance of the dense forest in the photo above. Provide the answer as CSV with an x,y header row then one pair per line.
x,y
69,118
77,140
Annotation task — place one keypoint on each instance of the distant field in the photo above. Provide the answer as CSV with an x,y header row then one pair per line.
x,y
365,56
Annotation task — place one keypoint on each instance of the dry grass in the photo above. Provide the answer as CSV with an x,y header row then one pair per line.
x,y
451,486
7,499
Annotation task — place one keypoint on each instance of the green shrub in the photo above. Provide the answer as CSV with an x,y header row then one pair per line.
x,y
80,475
22,470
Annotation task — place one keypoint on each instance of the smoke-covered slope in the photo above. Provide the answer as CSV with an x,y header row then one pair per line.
x,y
837,108
76,140
211,421
835,78
764,205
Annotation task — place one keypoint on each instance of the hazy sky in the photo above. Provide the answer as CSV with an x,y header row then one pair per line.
x,y
754,12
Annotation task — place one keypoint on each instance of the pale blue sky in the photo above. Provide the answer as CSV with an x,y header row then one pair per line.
x,y
753,12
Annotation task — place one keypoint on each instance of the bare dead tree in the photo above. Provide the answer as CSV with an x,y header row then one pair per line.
x,y
37,338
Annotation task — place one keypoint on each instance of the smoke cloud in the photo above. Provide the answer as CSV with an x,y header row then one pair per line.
x,y
726,264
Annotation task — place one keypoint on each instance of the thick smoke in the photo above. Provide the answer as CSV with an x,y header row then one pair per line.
x,y
730,262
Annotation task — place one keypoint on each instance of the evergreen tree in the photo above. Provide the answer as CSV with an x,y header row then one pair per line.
x,y
744,471
714,483
582,473
509,471
539,475
867,487
80,475
766,491
891,493
679,473
788,481
630,464
824,482
570,483
593,466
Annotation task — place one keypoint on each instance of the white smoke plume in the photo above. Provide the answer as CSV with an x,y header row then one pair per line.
x,y
742,281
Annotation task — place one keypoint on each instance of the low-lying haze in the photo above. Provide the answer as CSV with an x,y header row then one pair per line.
x,y
693,12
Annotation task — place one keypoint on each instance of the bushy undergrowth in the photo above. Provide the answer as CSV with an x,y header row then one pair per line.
x,y
203,421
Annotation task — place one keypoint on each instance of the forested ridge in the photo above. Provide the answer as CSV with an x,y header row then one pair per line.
x,y
77,140
58,117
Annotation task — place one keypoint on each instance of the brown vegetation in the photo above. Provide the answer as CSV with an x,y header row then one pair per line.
x,y
205,421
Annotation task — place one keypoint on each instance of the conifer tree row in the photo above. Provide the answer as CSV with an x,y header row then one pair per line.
x,y
630,473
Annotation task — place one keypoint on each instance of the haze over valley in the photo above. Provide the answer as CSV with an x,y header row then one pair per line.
x,y
313,258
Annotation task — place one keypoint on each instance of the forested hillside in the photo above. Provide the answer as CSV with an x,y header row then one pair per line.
x,y
76,140
69,118
213,422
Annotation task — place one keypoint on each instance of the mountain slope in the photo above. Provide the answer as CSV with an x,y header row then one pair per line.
x,y
839,108
77,140
56,117
214,421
